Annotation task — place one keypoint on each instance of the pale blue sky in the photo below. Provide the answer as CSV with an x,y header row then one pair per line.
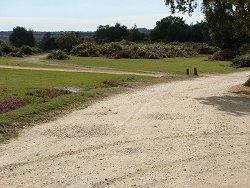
x,y
83,15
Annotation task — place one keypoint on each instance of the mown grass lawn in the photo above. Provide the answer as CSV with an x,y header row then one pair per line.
x,y
168,65
23,84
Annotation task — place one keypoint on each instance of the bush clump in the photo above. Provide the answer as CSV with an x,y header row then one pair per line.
x,y
58,55
132,50
9,104
7,48
26,50
223,55
241,61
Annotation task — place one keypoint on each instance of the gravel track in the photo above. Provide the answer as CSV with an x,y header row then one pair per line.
x,y
190,133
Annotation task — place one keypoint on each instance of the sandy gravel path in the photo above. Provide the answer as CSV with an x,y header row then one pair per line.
x,y
87,69
191,134
65,67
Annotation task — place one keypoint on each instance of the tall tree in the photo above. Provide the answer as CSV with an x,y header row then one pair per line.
x,y
175,29
171,28
135,35
21,36
111,33
67,40
48,42
228,20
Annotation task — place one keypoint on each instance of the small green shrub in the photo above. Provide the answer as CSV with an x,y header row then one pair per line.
x,y
223,55
241,61
36,50
27,50
6,48
58,55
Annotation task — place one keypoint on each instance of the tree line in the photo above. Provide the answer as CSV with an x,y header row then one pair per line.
x,y
169,29
228,20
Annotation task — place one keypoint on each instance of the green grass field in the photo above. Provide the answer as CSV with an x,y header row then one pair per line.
x,y
23,84
167,65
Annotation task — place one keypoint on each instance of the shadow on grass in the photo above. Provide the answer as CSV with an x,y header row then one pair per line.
x,y
233,104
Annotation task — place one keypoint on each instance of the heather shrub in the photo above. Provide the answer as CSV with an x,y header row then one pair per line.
x,y
223,55
241,61
126,49
9,104
58,55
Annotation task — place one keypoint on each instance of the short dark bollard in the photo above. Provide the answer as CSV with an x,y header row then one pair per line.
x,y
187,71
195,72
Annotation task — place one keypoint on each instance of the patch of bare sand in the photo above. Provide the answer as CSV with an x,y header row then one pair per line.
x,y
241,89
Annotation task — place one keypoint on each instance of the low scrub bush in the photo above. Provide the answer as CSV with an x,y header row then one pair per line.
x,y
223,55
36,50
27,50
241,61
58,55
9,104
132,50
7,48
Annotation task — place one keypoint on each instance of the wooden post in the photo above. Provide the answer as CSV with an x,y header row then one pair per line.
x,y
187,71
195,72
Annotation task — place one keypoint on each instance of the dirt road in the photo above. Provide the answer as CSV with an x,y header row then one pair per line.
x,y
87,69
66,67
182,134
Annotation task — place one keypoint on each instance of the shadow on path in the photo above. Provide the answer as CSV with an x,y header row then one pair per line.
x,y
238,105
